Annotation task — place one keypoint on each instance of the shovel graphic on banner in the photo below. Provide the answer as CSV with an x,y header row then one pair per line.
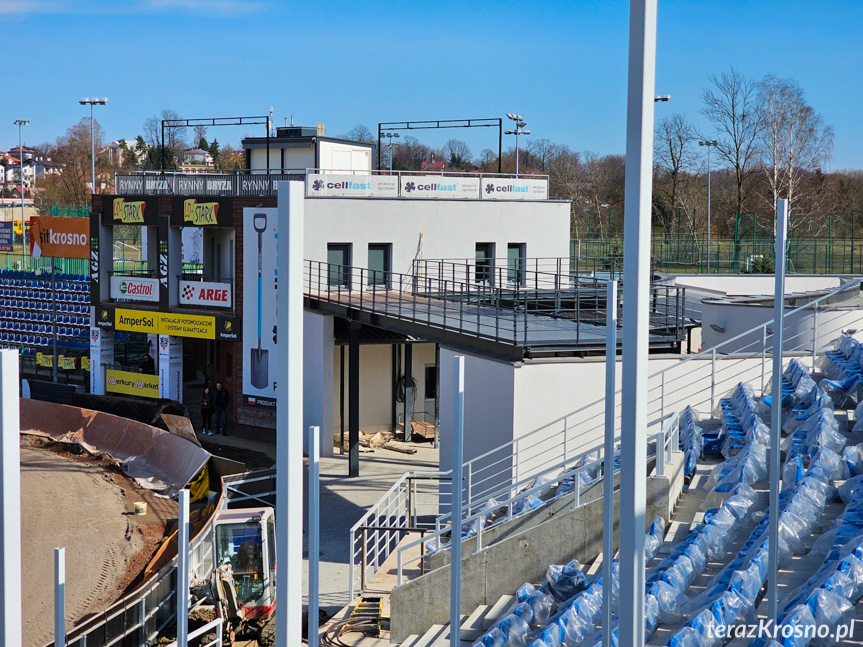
x,y
259,359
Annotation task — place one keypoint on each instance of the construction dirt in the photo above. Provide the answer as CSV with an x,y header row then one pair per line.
x,y
85,504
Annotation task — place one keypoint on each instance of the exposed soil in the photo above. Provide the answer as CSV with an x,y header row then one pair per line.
x,y
84,503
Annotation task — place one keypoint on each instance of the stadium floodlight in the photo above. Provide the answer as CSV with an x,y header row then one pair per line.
x,y
93,102
520,123
710,143
664,97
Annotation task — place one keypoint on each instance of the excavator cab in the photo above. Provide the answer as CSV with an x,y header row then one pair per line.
x,y
244,549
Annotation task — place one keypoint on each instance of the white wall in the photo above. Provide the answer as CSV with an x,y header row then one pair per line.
x,y
344,157
450,228
376,393
737,318
295,158
755,284
318,378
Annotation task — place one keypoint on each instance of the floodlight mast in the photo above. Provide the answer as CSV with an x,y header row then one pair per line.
x,y
520,123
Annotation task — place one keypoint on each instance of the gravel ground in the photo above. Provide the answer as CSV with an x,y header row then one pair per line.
x,y
85,505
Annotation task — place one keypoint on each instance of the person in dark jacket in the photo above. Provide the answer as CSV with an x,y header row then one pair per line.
x,y
206,404
148,365
221,400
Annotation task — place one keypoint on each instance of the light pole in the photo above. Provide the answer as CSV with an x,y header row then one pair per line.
x,y
710,143
91,103
19,123
519,125
391,145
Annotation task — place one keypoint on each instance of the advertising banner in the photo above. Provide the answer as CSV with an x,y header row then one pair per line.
x,y
438,186
204,293
202,212
130,211
514,189
6,236
63,363
351,186
60,237
164,323
259,316
128,288
129,383
101,355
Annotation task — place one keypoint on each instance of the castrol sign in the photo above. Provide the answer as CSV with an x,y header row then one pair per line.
x,y
127,288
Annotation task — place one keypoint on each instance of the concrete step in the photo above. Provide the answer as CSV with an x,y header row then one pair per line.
x,y
497,610
429,638
410,641
442,640
472,626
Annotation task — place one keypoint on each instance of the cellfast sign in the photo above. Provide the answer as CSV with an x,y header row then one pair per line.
x,y
439,186
514,189
351,186
132,289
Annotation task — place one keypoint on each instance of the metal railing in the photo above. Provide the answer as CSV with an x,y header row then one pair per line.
x,y
559,312
207,628
216,183
677,381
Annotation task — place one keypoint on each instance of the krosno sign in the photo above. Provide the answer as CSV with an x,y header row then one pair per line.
x,y
132,289
415,186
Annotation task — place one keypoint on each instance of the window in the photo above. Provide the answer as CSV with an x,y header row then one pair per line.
x,y
485,263
239,544
339,260
515,253
380,261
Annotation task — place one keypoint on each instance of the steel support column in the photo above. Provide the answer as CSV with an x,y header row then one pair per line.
x,y
289,416
455,543
636,272
776,410
608,457
59,597
314,531
354,398
183,570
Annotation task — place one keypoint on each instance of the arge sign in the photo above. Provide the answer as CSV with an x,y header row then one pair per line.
x,y
438,186
514,189
205,293
130,289
351,186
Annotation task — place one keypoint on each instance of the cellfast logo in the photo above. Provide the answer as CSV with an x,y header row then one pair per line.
x,y
200,213
348,185
129,212
505,188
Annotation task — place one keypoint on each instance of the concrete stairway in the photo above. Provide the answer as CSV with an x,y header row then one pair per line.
x,y
472,626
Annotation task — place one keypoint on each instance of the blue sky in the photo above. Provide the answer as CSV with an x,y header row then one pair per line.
x,y
562,65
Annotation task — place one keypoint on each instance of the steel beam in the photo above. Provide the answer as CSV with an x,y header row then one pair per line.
x,y
636,302
183,570
608,465
776,411
354,398
59,597
314,531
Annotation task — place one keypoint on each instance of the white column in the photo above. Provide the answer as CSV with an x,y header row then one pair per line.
x,y
636,296
170,365
59,597
455,541
289,415
183,570
314,531
101,357
10,501
776,411
608,467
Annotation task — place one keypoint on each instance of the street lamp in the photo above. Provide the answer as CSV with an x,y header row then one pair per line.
x,y
19,123
91,103
519,125
391,145
710,143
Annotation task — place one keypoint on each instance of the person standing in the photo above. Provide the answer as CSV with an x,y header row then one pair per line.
x,y
206,404
221,401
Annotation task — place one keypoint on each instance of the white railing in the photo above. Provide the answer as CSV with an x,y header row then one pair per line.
x,y
213,624
694,380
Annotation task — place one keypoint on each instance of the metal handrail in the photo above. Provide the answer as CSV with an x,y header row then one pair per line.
x,y
213,624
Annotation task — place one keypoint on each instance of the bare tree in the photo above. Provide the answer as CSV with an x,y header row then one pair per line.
x,y
200,136
542,150
175,139
796,141
71,187
674,157
731,105
458,154
360,133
